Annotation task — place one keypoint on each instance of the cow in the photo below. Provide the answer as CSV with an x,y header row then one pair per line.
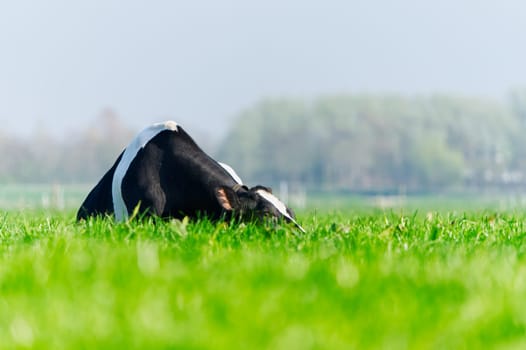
x,y
164,173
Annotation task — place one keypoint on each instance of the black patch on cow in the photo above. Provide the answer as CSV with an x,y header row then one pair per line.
x,y
172,177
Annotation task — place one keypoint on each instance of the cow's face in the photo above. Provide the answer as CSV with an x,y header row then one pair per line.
x,y
257,202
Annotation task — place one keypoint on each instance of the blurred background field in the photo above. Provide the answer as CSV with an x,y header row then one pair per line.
x,y
15,197
38,197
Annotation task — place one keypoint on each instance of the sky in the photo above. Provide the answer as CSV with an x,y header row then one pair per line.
x,y
201,63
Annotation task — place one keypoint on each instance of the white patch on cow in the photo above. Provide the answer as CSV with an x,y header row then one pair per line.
x,y
279,205
282,208
119,207
232,172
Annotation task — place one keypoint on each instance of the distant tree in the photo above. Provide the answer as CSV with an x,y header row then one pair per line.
x,y
83,157
374,142
517,99
345,142
92,151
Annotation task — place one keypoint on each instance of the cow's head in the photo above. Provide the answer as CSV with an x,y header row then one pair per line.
x,y
257,202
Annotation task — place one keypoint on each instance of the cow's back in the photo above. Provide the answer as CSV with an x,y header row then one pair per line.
x,y
172,177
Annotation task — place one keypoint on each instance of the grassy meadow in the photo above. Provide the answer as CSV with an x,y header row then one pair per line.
x,y
360,278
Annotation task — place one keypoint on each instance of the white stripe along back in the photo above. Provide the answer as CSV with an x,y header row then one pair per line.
x,y
232,172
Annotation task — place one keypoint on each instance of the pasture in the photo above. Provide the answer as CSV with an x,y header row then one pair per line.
x,y
359,278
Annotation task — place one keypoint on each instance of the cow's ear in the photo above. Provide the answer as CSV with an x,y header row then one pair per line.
x,y
227,198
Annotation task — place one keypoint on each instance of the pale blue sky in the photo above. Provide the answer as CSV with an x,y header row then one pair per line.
x,y
201,62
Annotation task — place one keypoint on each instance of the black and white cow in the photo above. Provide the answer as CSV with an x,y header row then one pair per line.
x,y
165,173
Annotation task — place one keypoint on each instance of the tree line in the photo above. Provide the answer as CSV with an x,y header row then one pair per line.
x,y
81,157
382,143
346,142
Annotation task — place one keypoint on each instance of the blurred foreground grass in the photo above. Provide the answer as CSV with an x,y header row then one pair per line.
x,y
382,280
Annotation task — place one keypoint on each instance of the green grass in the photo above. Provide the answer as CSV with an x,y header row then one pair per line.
x,y
379,280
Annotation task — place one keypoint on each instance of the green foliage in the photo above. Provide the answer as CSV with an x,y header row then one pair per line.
x,y
84,156
362,143
382,280
377,142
